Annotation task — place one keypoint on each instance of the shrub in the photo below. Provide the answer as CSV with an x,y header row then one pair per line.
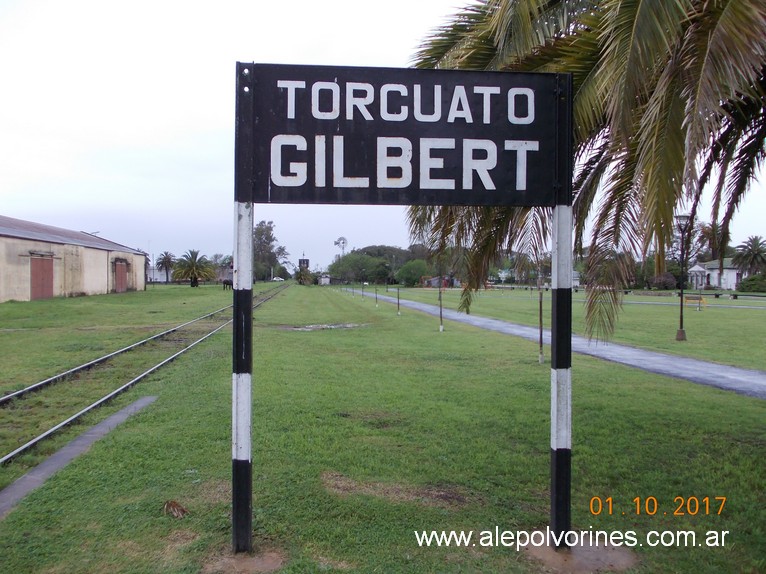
x,y
664,281
411,272
754,283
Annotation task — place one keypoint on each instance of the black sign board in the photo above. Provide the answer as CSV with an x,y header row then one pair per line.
x,y
344,135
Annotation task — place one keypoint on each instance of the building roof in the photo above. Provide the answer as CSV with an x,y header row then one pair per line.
x,y
20,229
714,265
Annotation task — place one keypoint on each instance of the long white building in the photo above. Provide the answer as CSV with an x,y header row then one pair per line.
x,y
41,261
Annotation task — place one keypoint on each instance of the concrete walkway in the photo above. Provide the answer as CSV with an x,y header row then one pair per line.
x,y
743,381
14,492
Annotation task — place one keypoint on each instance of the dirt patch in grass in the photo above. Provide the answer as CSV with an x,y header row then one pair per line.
x,y
327,563
129,549
439,496
583,559
375,419
174,542
214,491
263,561
321,327
179,538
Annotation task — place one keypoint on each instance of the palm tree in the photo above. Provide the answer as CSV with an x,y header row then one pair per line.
x,y
710,238
165,263
660,88
751,255
193,267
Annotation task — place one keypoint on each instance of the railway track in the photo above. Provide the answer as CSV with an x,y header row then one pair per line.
x,y
33,414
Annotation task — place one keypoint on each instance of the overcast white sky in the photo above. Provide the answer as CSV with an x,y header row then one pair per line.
x,y
118,116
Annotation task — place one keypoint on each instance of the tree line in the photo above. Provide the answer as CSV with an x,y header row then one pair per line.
x,y
383,264
269,261
192,266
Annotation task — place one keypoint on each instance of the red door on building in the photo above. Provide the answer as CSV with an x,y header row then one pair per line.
x,y
41,278
120,276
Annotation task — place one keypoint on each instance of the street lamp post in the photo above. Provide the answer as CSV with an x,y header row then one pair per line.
x,y
682,222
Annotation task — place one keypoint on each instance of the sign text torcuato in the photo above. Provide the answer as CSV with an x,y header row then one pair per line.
x,y
349,135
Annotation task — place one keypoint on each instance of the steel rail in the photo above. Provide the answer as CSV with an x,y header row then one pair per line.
x,y
135,380
55,378
105,398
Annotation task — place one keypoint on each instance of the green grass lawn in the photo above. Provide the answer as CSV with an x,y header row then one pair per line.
x,y
39,339
722,332
364,435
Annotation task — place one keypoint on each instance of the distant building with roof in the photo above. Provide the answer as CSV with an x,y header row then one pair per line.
x,y
41,261
713,274
727,277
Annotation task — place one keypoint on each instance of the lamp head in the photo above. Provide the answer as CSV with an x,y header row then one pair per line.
x,y
682,220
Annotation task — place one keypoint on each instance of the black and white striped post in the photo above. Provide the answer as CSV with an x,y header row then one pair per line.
x,y
291,113
561,341
241,411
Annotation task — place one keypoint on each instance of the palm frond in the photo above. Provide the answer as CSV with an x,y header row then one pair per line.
x,y
636,37
746,164
726,49
609,268
465,41
499,230
592,169
606,275
523,28
660,161
738,151
531,232
661,88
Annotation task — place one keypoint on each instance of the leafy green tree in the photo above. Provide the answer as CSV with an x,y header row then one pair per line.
x,y
357,267
645,273
165,263
390,260
374,263
379,271
268,255
222,264
661,88
410,273
753,284
282,271
751,255
418,251
193,266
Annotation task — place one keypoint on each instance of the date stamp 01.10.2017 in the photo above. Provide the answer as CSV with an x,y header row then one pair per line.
x,y
650,506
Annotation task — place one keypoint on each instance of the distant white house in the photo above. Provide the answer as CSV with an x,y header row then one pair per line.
x,y
697,277
728,278
154,275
